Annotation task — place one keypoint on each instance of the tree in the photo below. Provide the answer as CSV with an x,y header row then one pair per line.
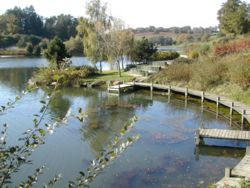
x,y
63,26
143,50
74,46
37,50
94,29
120,43
29,49
23,21
233,17
56,53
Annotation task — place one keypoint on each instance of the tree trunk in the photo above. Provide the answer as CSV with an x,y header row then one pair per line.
x,y
119,69
100,66
122,63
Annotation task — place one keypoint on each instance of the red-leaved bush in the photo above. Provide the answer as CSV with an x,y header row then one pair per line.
x,y
232,47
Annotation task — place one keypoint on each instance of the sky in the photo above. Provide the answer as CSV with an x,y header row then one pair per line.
x,y
135,13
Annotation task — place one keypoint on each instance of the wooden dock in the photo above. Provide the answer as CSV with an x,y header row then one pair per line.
x,y
234,106
222,134
120,88
242,170
234,176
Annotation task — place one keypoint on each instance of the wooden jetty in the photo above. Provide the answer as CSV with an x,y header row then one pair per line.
x,y
234,176
222,134
120,88
236,106
242,170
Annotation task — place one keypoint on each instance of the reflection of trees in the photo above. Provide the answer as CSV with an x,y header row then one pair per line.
x,y
107,114
59,105
16,78
106,117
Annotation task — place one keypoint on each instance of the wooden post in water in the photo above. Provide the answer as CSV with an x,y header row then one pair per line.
x,y
169,90
243,118
231,109
197,137
202,97
186,93
218,102
152,87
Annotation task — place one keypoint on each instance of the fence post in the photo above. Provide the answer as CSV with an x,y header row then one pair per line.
x,y
231,108
243,118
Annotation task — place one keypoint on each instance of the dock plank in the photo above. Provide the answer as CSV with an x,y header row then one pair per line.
x,y
224,134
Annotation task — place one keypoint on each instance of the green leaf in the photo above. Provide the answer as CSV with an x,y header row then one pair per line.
x,y
80,110
43,102
56,77
18,98
42,132
82,173
35,121
130,139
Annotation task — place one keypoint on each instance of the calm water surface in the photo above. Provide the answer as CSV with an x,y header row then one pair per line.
x,y
165,156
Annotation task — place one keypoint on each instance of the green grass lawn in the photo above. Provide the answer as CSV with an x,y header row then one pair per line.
x,y
112,75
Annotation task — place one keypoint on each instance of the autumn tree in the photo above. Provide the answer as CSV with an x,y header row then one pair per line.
x,y
94,30
233,17
120,43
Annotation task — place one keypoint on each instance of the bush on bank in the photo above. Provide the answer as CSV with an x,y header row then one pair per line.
x,y
165,55
69,77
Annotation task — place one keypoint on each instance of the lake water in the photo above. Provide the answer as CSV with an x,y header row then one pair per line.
x,y
165,155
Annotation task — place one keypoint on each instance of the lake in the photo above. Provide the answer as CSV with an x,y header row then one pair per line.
x,y
164,156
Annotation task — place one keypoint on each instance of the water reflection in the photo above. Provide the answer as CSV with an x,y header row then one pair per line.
x,y
163,157
17,78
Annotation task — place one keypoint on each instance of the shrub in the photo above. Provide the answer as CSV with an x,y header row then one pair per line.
x,y
24,40
7,40
29,49
182,60
64,77
209,73
13,52
165,55
234,46
193,55
179,72
37,50
239,72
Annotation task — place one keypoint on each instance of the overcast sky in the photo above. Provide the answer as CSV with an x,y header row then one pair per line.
x,y
136,13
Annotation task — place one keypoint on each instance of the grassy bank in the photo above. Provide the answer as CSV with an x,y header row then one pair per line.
x,y
224,69
20,52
